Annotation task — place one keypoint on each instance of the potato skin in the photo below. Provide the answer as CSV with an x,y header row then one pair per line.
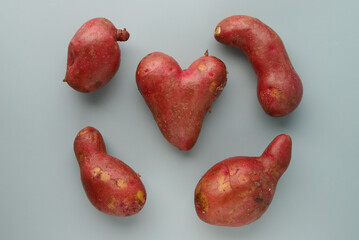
x,y
94,55
279,88
111,185
237,191
179,99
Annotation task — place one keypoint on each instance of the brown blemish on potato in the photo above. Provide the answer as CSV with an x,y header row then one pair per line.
x,y
244,193
202,201
212,86
81,157
242,179
202,67
217,31
96,171
223,184
121,183
276,93
112,204
141,196
104,176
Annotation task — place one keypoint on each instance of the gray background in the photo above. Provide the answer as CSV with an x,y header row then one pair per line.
x,y
41,196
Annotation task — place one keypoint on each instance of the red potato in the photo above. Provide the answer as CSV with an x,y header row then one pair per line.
x,y
279,88
179,99
238,190
111,186
94,55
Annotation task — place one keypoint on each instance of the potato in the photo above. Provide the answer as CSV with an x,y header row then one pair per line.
x,y
179,99
111,186
279,88
94,55
238,190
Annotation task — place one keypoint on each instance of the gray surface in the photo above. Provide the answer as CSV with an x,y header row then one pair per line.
x,y
41,193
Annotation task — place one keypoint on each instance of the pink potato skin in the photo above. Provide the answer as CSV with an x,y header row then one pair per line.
x,y
111,186
279,88
179,99
238,190
94,55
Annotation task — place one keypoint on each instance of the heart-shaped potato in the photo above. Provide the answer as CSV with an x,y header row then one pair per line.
x,y
179,99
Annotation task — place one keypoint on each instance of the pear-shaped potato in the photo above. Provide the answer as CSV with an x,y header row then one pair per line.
x,y
238,190
111,186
